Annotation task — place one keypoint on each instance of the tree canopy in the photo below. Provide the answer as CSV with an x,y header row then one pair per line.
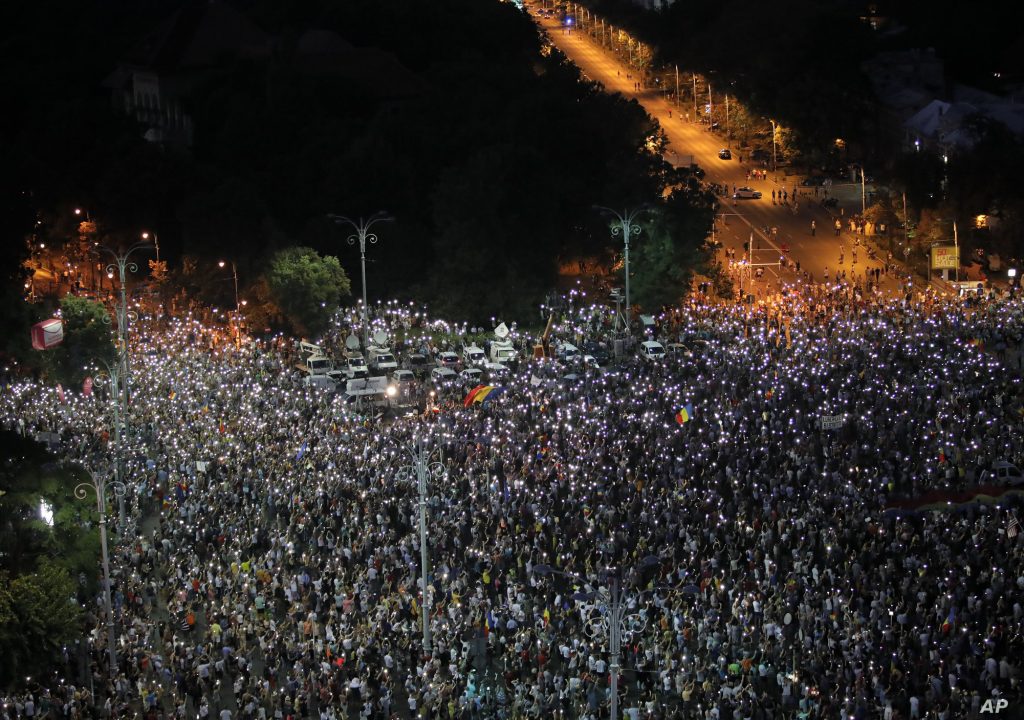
x,y
307,288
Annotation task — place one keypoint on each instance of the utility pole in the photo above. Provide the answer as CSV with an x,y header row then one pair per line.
x,y
863,193
695,97
728,132
956,248
677,86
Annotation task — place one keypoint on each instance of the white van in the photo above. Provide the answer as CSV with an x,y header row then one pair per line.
x,y
472,356
381,359
652,350
568,353
1003,473
503,352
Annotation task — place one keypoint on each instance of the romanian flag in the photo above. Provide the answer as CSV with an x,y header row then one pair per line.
x,y
471,397
481,394
685,414
950,620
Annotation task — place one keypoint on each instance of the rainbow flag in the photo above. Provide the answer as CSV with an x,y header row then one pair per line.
x,y
685,414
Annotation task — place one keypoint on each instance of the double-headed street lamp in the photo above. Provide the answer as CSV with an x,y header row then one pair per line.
x,y
362,236
123,263
112,372
424,469
626,224
608,614
99,488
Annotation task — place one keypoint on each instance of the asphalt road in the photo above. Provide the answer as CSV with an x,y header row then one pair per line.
x,y
693,142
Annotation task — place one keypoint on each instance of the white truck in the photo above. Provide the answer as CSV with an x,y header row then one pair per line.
x,y
316,365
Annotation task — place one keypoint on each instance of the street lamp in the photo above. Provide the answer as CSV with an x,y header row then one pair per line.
x,y
123,263
156,243
775,164
363,235
608,614
423,468
628,225
234,273
113,374
99,488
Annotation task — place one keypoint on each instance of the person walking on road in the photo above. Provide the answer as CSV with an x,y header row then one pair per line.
x,y
773,196
839,226
814,227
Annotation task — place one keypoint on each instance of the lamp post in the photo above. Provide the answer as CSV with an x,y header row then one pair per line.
x,y
234,274
123,263
628,225
113,374
156,243
424,469
99,489
610,615
362,236
775,164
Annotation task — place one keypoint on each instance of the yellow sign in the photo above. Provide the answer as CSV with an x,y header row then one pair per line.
x,y
945,257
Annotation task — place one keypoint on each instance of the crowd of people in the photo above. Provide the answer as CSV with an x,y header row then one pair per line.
x,y
274,565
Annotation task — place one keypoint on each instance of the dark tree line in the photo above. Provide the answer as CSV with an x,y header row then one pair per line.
x,y
490,159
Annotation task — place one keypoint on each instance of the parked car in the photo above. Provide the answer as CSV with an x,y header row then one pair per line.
x,y
382,360
496,372
443,376
813,181
745,193
1002,473
725,154
419,364
597,351
471,377
652,350
403,376
447,359
356,368
473,356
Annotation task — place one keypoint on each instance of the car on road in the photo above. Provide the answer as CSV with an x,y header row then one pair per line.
x,y
696,170
813,181
745,193
725,154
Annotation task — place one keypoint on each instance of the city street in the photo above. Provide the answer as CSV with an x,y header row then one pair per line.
x,y
738,219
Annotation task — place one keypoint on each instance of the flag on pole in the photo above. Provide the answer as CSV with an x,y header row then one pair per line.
x,y
1014,529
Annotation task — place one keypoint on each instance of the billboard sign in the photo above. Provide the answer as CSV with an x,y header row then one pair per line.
x,y
945,257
